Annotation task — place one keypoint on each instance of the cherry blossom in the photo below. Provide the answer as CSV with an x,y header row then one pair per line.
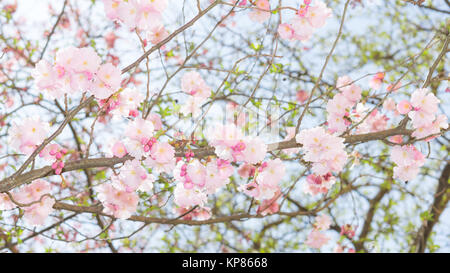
x,y
408,160
28,134
377,81
255,150
262,11
316,184
324,150
317,239
121,204
404,107
188,197
323,222
305,22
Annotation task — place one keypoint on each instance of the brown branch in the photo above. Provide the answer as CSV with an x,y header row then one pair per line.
x,y
441,199
13,182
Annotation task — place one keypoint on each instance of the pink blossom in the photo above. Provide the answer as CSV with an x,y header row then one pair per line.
x,y
110,39
197,173
193,84
156,120
408,160
36,214
392,88
157,34
246,170
286,31
352,93
339,105
316,239
166,167
127,100
269,206
217,175
45,75
188,197
323,222
302,28
375,122
318,14
162,152
389,105
337,124
110,75
343,83
324,150
262,11
377,81
404,107
317,184
111,8
272,173
119,203
302,96
396,139
193,106
119,149
348,231
100,89
128,13
148,16
5,202
425,106
65,60
86,60
26,135
139,129
255,150
431,129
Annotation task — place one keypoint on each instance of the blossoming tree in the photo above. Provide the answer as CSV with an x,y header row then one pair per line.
x,y
224,125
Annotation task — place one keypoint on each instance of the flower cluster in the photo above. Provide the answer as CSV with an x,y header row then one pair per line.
x,y
408,160
230,144
424,106
142,14
316,184
36,206
307,20
338,108
117,202
56,153
75,70
28,134
324,150
316,238
123,104
377,81
197,89
266,182
196,180
120,197
375,121
261,11
269,206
